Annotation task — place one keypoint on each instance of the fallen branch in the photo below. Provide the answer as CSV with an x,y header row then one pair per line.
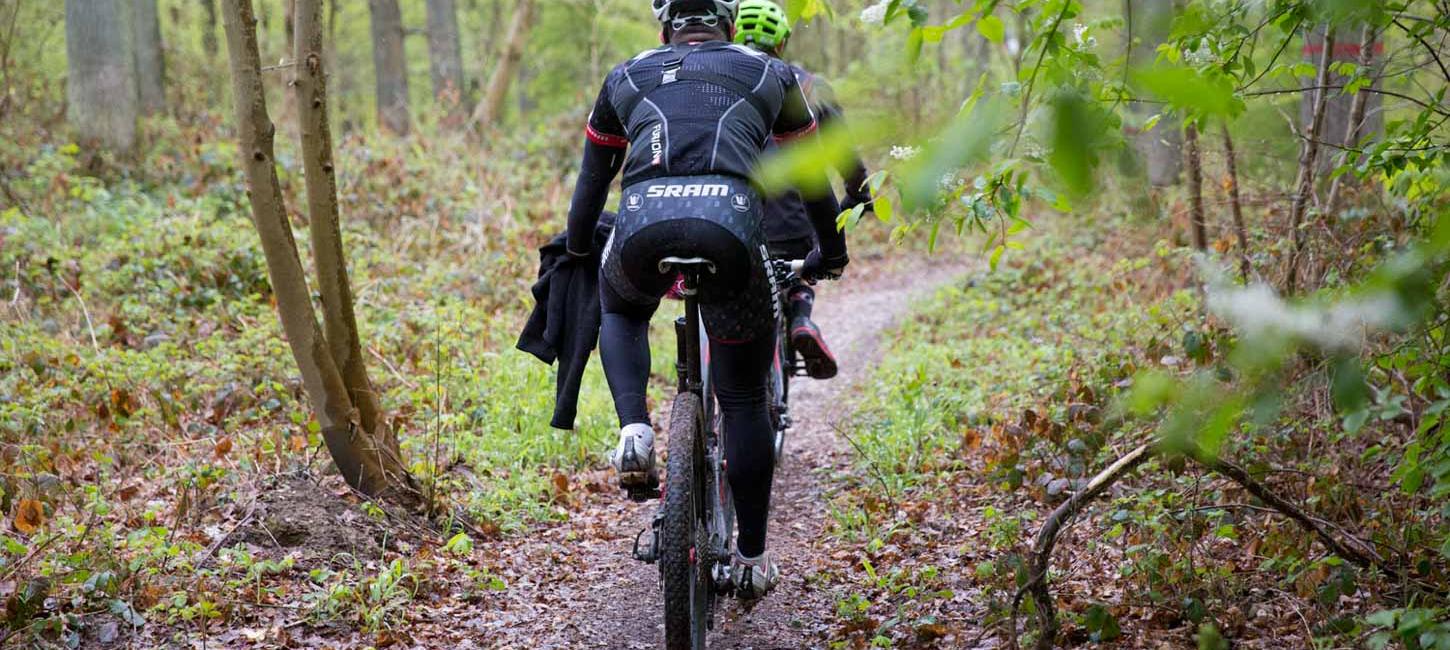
x,y
1047,538
1350,547
1364,556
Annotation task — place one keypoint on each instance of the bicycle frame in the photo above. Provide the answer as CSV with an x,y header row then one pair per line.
x,y
706,495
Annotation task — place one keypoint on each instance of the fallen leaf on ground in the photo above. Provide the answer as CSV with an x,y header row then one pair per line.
x,y
29,516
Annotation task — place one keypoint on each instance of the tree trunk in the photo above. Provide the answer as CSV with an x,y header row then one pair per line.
x,y
364,464
102,101
339,321
445,59
490,109
1354,128
1339,107
1308,159
289,21
1195,188
150,63
208,27
1149,24
1236,205
390,66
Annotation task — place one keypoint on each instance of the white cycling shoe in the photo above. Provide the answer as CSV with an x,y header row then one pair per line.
x,y
634,457
754,577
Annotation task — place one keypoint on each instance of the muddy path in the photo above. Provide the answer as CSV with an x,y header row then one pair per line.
x,y
574,585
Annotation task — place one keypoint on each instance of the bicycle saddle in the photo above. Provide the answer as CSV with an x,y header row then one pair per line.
x,y
686,265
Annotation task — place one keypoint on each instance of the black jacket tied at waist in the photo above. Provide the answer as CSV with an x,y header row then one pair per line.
x,y
564,325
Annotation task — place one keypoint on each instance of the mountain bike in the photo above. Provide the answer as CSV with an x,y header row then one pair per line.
x,y
691,534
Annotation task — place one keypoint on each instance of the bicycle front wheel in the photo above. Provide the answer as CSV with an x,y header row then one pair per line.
x,y
686,557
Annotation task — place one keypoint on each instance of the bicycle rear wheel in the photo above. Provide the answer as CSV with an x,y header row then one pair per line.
x,y
780,372
686,556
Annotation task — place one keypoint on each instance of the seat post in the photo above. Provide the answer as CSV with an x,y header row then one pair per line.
x,y
693,381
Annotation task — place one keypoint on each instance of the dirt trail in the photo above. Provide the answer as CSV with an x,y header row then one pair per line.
x,y
573,585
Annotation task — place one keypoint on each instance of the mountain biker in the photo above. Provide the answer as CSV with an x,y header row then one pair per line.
x,y
686,122
763,25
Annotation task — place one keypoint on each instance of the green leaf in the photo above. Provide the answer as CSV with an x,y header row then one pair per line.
x,y
883,208
1355,421
849,218
996,256
807,10
1071,155
992,29
802,164
1209,638
1383,618
1187,89
967,140
1350,392
1102,624
460,544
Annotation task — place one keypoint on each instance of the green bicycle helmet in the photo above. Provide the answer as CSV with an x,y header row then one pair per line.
x,y
761,24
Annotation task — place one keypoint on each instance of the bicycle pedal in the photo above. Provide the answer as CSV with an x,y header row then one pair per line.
x,y
642,494
651,552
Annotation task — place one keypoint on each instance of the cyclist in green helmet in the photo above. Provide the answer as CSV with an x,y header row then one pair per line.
x,y
764,26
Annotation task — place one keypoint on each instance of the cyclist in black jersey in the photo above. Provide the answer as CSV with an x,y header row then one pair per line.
x,y
764,25
687,122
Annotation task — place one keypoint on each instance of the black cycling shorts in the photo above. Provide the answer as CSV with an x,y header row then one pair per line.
x,y
713,217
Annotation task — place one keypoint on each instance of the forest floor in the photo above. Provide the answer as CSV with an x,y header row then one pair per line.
x,y
574,584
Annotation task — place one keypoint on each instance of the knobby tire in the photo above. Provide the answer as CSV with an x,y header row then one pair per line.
x,y
686,589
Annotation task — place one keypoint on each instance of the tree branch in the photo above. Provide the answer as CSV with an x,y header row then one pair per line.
x,y
1431,50
1047,538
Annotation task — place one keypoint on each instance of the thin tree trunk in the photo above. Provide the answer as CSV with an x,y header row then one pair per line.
x,y
339,321
208,27
1357,108
1236,205
445,59
1308,157
489,110
390,66
150,63
289,21
363,464
101,95
1195,188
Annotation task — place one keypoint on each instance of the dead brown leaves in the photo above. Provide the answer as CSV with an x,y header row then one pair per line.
x,y
29,516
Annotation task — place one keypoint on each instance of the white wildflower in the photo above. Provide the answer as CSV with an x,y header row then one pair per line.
x,y
875,14
1198,56
1078,30
904,153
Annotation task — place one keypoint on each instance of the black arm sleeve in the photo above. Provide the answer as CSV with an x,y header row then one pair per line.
x,y
823,211
601,163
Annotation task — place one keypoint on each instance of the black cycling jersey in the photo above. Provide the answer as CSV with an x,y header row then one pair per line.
x,y
787,225
689,110
697,109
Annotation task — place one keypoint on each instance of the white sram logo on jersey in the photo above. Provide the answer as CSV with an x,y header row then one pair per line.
x,y
656,146
686,191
